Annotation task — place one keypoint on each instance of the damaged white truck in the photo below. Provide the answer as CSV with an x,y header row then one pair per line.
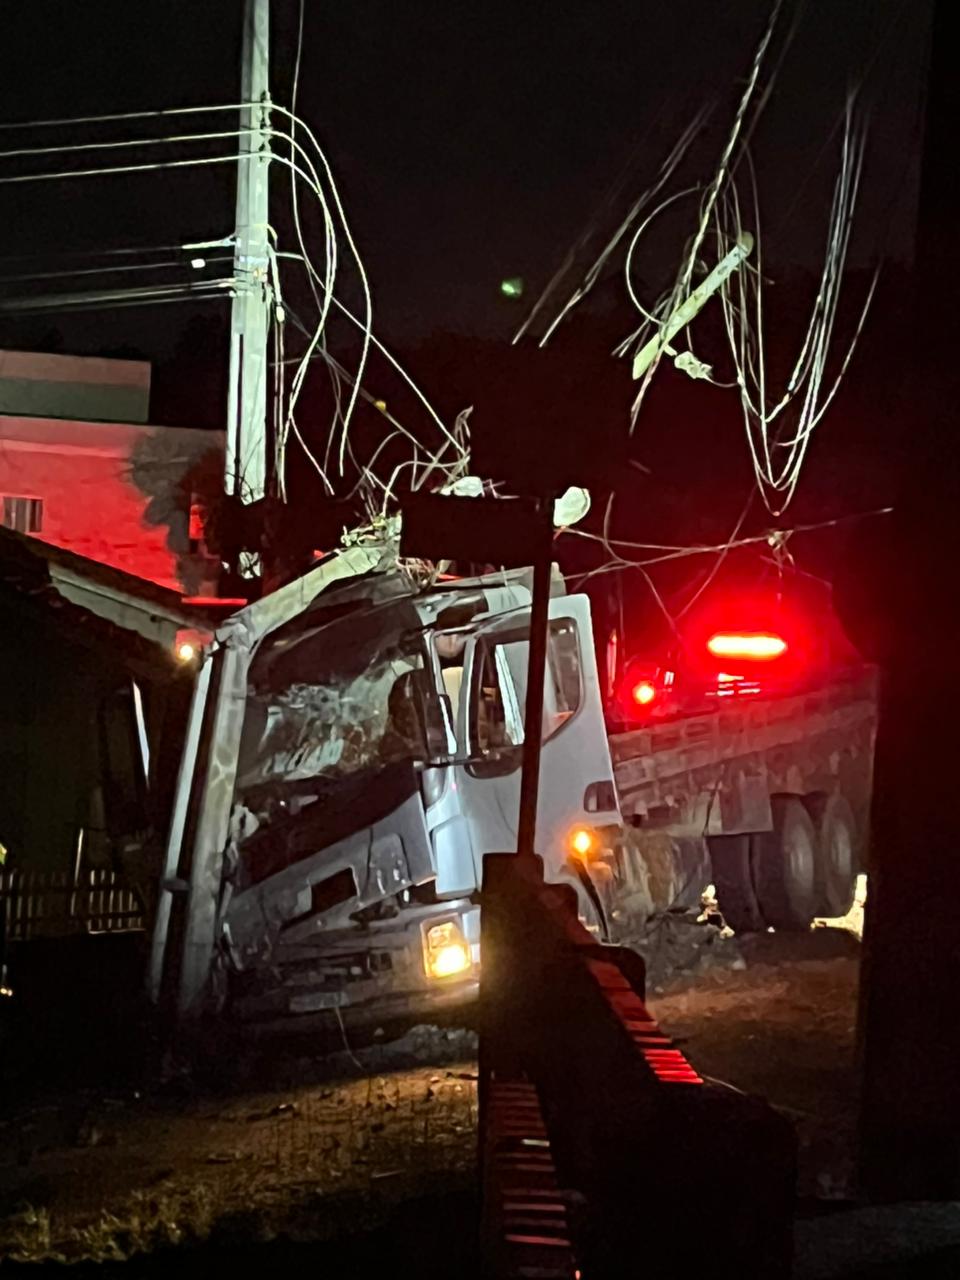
x,y
353,750
292,826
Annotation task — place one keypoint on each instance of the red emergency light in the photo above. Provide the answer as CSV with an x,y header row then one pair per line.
x,y
755,646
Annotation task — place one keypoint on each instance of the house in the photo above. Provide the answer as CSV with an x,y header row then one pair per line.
x,y
92,680
81,468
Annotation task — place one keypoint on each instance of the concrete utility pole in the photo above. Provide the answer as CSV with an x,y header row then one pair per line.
x,y
246,454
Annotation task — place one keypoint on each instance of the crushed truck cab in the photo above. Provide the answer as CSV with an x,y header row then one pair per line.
x,y
354,750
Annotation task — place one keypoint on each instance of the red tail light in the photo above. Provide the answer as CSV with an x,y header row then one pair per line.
x,y
757,646
643,693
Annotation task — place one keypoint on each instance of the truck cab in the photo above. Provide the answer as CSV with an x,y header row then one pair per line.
x,y
355,751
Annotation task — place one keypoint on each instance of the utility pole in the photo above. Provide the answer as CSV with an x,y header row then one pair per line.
x,y
245,476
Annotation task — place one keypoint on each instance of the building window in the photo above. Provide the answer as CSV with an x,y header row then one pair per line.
x,y
23,514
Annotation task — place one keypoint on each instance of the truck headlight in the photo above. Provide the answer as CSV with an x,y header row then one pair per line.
x,y
446,951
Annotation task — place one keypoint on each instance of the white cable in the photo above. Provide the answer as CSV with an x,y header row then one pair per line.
x,y
70,147
326,280
745,100
777,477
156,114
175,264
667,170
365,284
444,429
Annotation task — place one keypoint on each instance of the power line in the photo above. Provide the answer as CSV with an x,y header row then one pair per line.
x,y
680,552
175,264
208,289
120,168
118,143
96,299
157,113
46,256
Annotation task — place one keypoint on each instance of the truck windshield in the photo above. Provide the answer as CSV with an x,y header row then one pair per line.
x,y
351,697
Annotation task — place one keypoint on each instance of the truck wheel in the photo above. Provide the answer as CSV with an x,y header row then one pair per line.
x,y
732,879
837,864
784,864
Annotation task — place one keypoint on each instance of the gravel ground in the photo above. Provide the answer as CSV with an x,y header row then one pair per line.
x,y
311,1161
380,1148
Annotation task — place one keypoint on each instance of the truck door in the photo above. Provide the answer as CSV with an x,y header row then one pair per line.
x,y
576,782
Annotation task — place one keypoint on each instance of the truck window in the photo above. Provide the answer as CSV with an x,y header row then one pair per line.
x,y
498,713
450,647
500,686
562,691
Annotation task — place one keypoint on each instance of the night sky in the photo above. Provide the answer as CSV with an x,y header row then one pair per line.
x,y
471,142
476,142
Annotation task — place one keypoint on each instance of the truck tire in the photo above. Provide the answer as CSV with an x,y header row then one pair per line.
x,y
837,864
784,863
733,881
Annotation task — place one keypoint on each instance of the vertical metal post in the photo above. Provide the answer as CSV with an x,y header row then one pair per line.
x,y
536,676
246,453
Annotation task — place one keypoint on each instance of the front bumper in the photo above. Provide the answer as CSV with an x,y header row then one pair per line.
x,y
358,976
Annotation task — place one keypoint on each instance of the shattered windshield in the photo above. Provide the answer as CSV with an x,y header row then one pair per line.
x,y
342,697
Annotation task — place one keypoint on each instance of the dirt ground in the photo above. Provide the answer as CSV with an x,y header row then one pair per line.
x,y
342,1145
312,1160
782,1026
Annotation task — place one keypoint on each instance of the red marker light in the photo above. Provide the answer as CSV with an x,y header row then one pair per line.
x,y
761,646
643,693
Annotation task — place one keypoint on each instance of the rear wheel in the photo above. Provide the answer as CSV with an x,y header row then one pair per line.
x,y
784,862
837,863
732,879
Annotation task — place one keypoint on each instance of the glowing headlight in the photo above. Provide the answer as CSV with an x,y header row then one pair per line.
x,y
583,842
446,951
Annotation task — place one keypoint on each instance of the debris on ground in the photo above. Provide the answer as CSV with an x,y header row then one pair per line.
x,y
680,945
852,922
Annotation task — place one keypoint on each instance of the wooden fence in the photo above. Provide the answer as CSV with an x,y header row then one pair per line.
x,y
55,904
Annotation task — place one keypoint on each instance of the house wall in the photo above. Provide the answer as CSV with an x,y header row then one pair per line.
x,y
118,493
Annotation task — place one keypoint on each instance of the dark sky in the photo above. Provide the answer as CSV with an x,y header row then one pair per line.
x,y
471,141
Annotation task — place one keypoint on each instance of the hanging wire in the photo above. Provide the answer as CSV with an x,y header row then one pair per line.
x,y
318,177
156,113
777,461
667,169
